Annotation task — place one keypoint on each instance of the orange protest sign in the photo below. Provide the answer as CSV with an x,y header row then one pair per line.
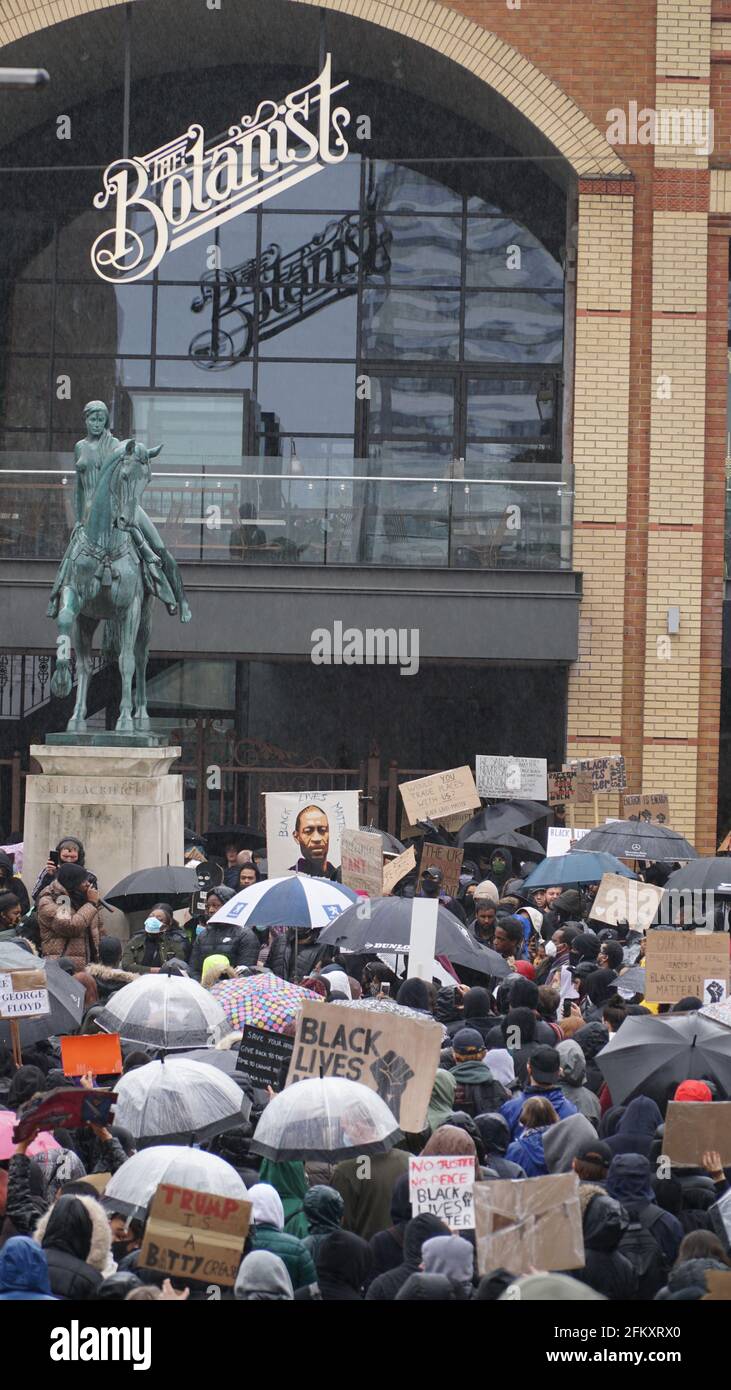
x,y
98,1053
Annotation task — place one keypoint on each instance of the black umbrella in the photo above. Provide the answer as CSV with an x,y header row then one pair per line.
x,y
633,980
631,839
145,887
702,875
218,836
387,927
389,843
498,820
510,839
650,1056
66,997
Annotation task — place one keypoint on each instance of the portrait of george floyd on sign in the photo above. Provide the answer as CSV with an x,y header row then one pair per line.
x,y
393,1055
304,830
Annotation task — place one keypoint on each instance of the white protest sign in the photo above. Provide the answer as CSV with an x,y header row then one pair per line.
x,y
443,1187
561,839
422,940
621,899
6,984
510,776
24,1003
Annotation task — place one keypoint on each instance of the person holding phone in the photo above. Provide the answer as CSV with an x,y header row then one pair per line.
x,y
69,917
69,850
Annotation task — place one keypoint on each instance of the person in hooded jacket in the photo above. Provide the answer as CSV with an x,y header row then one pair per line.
x,y
475,1013
454,1258
269,1234
69,851
240,945
76,1238
289,1179
387,1247
628,1181
599,987
591,1039
69,917
573,1077
385,1288
635,1133
24,1272
536,1118
495,1134
323,1208
604,1223
429,1288
699,1251
544,1072
477,1089
263,1278
565,1140
296,952
343,1264
108,974
10,882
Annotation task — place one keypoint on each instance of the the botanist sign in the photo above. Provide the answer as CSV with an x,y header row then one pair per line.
x,y
187,189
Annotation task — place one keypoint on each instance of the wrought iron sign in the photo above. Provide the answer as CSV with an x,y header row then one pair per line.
x,y
269,293
191,189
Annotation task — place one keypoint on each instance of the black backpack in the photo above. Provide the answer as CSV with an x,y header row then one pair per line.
x,y
645,1254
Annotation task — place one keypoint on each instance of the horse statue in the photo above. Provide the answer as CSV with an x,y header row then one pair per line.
x,y
114,566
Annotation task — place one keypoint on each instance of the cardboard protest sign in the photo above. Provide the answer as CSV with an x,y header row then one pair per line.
x,y
423,937
98,1180
681,963
448,858
396,869
607,774
262,1055
583,787
718,1283
651,807
621,899
195,1234
391,1054
451,823
443,1187
693,1128
530,1223
505,777
98,1053
361,861
301,826
561,839
561,786
442,794
24,1003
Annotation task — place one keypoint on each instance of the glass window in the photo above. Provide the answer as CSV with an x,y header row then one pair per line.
x,y
337,186
96,379
109,319
503,254
518,327
215,322
510,406
319,323
308,396
420,251
411,405
204,425
182,372
420,324
26,237
236,243
403,189
25,317
524,461
24,392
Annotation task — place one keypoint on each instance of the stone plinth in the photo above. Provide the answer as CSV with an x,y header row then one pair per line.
x,y
123,803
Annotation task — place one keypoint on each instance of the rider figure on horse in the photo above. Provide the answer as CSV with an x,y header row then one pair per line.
x,y
161,574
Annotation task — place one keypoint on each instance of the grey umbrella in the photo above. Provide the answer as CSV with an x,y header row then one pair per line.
x,y
702,875
66,997
387,927
509,839
650,1056
630,839
499,819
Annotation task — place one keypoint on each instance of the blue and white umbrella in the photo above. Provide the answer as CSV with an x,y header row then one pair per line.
x,y
297,900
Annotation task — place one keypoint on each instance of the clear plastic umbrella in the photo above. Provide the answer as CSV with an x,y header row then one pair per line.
x,y
174,1101
165,1011
327,1118
134,1184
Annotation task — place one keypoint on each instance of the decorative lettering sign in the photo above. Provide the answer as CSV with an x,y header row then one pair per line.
x,y
191,189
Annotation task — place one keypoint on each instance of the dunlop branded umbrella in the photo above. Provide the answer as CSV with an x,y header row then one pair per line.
x,y
178,1102
295,900
649,1055
133,1185
631,839
327,1118
166,1011
264,1001
386,926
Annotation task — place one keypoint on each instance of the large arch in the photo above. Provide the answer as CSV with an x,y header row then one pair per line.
x,y
437,26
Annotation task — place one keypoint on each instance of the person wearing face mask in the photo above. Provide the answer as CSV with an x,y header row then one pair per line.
x,y
239,944
160,940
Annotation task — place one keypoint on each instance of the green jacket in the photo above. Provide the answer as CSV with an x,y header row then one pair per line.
x,y
173,946
289,1249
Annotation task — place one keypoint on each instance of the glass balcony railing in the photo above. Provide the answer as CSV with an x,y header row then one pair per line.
x,y
268,511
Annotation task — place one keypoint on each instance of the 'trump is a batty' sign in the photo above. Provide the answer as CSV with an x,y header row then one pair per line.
x,y
193,189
